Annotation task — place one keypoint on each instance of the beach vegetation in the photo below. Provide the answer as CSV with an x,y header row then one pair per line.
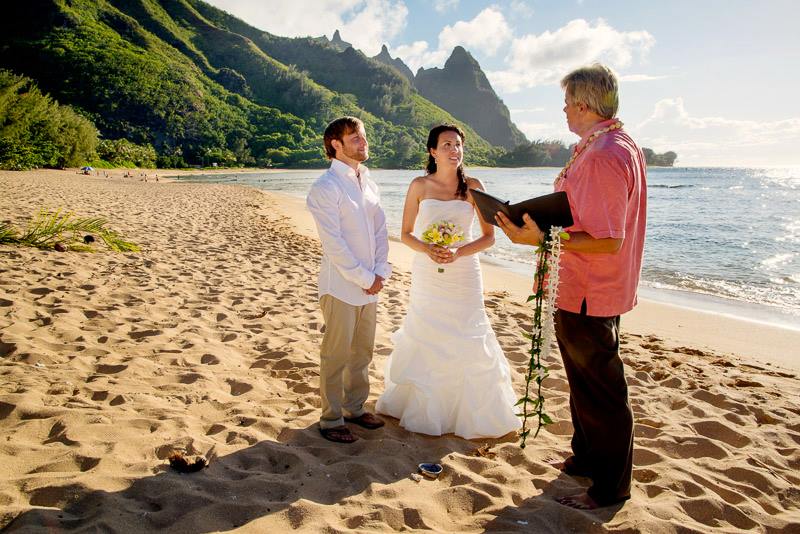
x,y
59,229
124,153
36,131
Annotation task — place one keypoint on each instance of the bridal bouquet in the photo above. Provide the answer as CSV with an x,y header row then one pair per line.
x,y
442,233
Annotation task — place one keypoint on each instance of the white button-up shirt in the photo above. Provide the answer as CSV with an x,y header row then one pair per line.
x,y
352,227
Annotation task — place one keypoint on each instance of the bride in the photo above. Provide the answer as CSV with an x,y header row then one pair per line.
x,y
447,372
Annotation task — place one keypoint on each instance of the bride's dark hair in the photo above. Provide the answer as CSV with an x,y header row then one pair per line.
x,y
433,142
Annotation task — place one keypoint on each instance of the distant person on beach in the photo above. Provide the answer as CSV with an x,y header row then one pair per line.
x,y
447,373
600,266
351,224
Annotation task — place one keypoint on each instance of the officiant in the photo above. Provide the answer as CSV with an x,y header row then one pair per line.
x,y
605,182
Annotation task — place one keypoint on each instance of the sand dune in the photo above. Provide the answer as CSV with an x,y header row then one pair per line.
x,y
207,342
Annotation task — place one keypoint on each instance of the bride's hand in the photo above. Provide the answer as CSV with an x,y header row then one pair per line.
x,y
439,254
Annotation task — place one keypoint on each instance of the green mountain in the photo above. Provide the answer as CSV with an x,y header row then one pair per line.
x,y
199,85
462,88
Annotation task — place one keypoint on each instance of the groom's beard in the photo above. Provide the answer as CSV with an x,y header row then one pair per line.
x,y
357,155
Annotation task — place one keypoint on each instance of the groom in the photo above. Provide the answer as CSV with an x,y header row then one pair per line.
x,y
600,267
352,228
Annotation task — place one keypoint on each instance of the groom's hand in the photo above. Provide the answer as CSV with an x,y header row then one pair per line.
x,y
530,234
376,286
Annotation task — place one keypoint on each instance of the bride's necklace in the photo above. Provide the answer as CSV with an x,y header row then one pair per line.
x,y
616,126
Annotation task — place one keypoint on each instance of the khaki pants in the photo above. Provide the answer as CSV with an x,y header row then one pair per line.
x,y
344,359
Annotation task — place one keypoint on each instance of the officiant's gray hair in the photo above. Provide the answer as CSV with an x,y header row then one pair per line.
x,y
596,86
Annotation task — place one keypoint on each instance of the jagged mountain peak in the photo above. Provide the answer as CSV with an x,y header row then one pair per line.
x,y
338,42
460,57
386,58
461,87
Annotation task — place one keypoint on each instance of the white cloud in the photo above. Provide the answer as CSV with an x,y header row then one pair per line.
x,y
367,24
640,78
536,131
377,23
543,59
716,140
520,9
487,32
442,6
418,54
526,110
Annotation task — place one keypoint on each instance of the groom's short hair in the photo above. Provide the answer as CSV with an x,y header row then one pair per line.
x,y
596,86
337,130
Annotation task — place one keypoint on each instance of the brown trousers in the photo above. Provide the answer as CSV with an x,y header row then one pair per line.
x,y
602,442
345,356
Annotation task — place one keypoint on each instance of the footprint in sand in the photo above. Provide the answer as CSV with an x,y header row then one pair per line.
x,y
720,432
58,433
141,334
41,291
190,378
743,383
6,409
645,476
238,388
7,349
110,369
215,429
209,359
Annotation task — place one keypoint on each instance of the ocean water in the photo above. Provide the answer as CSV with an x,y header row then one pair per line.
x,y
726,239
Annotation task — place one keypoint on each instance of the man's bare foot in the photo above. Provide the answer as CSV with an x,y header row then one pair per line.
x,y
569,467
580,501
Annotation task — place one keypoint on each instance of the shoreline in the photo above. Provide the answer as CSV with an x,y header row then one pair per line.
x,y
709,329
650,291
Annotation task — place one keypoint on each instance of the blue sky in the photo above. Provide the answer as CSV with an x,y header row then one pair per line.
x,y
716,81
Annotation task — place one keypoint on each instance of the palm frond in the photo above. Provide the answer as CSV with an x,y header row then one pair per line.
x,y
50,227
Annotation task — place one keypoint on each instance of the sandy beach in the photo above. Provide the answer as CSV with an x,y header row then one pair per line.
x,y
206,342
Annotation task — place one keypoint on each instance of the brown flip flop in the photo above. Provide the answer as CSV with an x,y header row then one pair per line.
x,y
366,420
338,434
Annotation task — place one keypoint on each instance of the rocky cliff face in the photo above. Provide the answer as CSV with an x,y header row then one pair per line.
x,y
462,88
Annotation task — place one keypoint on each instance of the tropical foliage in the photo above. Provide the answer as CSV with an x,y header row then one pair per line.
x,y
35,131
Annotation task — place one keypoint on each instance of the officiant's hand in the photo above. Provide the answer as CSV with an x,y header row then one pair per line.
x,y
530,234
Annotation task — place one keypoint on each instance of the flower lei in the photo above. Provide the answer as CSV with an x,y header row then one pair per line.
x,y
611,127
545,294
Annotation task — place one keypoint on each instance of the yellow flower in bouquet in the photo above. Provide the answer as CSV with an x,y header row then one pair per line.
x,y
443,233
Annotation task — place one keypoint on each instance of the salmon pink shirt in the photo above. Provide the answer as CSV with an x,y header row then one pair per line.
x,y
607,190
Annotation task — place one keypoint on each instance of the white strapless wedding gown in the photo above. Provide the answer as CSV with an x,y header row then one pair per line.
x,y
447,373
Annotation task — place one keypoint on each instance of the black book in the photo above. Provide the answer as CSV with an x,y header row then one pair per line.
x,y
546,210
